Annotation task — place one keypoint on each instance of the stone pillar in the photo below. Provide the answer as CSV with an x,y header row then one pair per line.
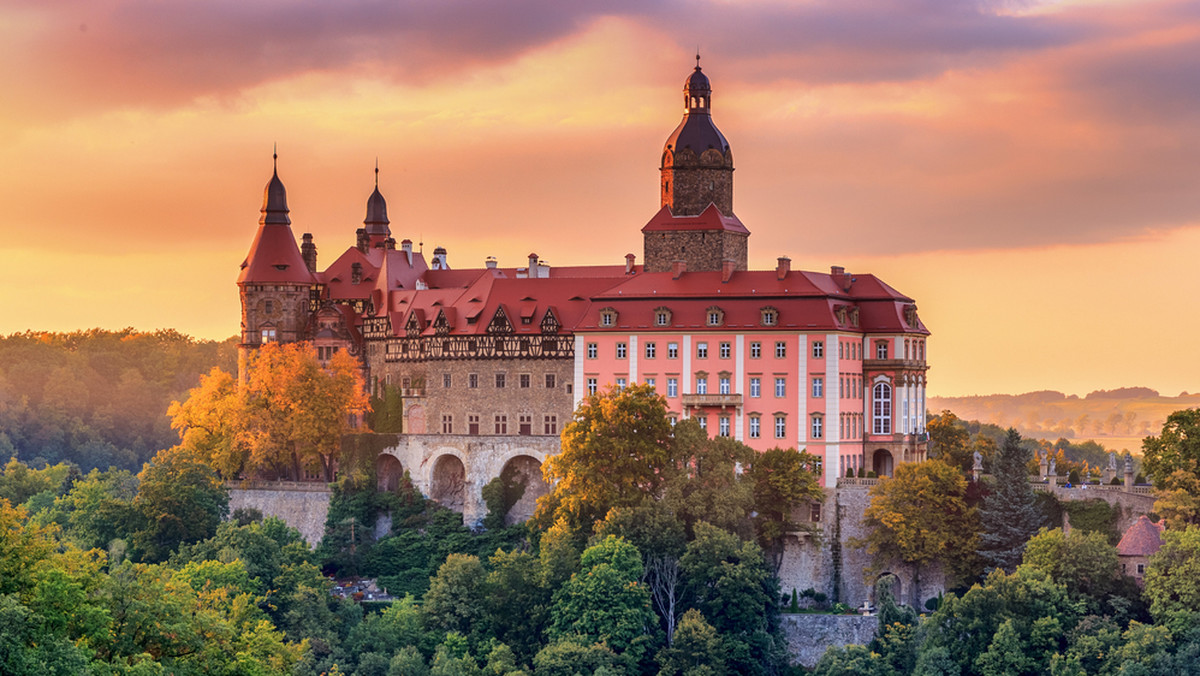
x,y
1043,464
1110,472
1128,471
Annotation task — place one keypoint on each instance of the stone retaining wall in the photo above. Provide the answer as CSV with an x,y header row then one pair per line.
x,y
303,508
808,636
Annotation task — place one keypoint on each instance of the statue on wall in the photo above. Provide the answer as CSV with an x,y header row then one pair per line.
x,y
1053,469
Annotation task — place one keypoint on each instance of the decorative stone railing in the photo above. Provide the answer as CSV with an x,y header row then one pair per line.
x,y
722,400
304,486
857,481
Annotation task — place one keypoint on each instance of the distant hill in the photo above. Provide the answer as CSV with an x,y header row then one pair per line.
x,y
1119,419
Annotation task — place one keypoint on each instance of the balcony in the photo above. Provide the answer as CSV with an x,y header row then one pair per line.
x,y
721,400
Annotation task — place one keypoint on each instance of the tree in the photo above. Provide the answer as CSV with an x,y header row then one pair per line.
x,y
604,602
1173,580
949,441
697,649
179,500
709,488
1009,516
783,480
616,452
1083,562
1178,500
919,516
1177,447
453,601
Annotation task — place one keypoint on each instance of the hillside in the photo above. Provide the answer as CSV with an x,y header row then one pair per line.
x,y
1118,419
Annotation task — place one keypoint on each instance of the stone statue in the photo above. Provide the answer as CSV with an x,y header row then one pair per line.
x,y
1112,460
978,461
1128,463
1053,469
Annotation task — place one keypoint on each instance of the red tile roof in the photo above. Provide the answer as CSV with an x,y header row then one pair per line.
x,y
709,219
274,258
1143,538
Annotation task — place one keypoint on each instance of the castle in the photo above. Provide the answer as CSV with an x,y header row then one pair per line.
x,y
492,361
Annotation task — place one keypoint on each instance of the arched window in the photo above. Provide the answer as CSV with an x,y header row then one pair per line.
x,y
882,409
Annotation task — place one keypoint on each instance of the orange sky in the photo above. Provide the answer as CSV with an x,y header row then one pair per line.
x,y
1029,172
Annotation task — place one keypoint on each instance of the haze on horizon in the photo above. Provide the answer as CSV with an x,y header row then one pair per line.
x,y
1028,171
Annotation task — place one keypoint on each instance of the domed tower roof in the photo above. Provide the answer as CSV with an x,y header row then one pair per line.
x,y
377,218
697,130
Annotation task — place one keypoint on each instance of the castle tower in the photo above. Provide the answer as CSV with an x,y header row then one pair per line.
x,y
275,280
696,224
377,231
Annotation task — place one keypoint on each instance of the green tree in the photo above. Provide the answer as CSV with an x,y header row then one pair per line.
x,y
179,500
697,649
709,488
919,516
1083,562
604,602
852,660
515,601
1178,500
1176,448
616,452
1173,580
783,481
574,655
1009,516
453,601
949,441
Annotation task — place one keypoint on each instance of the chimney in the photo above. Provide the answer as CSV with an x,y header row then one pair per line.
x,y
491,262
356,273
439,259
838,273
629,259
678,268
727,267
406,245
389,243
308,251
783,267
533,266
363,240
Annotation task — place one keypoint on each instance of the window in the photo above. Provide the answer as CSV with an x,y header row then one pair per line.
x,y
472,424
723,426
672,387
620,383
525,425
882,409
662,317
673,420
714,316
591,385
769,316
701,350
447,424
755,427
780,426
550,424
472,380
501,424
447,380
814,512
551,381
672,350
651,350
268,335
608,317
622,350
725,350
651,383
921,351
524,380
780,387
780,350
1141,569
499,381
881,349
701,384
591,350
818,349
755,350
841,349
817,425
818,387
756,387
702,420
723,385
269,306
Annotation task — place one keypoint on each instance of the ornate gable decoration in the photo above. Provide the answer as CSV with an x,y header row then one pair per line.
x,y
441,325
608,317
768,316
910,315
412,328
550,322
500,323
847,315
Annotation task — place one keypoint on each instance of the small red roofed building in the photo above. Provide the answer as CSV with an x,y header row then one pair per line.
x,y
1137,545
833,363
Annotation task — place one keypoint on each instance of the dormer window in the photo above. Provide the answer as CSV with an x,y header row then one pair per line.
x,y
769,316
608,317
356,273
714,316
662,317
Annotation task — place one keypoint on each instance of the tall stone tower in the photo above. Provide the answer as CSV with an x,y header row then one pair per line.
x,y
696,225
275,280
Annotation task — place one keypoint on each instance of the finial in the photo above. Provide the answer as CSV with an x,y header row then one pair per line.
x,y
377,171
275,157
697,58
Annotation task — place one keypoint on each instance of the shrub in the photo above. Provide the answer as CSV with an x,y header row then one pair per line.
x,y
871,475
1073,477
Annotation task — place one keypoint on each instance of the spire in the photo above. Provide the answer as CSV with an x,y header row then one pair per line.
x,y
377,219
275,208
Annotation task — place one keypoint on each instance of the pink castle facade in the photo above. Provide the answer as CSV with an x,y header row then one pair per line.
x,y
833,363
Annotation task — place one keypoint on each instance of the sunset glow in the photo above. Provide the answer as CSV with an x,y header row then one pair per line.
x,y
1029,172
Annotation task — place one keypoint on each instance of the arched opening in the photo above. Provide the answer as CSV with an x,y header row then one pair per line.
x,y
525,471
388,473
881,462
449,485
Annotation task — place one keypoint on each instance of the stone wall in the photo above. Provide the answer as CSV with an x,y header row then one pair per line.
x,y
702,250
809,636
301,506
1131,503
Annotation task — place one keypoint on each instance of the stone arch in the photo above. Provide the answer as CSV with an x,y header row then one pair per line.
x,y
389,473
526,471
882,463
448,485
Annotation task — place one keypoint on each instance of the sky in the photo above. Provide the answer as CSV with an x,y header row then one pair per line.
x,y
1028,171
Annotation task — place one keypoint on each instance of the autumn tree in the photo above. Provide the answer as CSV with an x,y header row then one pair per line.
x,y
616,452
289,415
919,516
783,480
